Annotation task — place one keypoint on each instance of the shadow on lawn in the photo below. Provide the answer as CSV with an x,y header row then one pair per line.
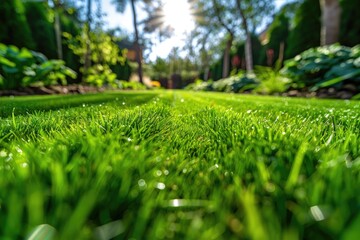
x,y
31,104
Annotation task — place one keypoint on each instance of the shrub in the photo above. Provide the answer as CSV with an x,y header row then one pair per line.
x,y
22,67
324,66
238,83
200,85
271,81
131,85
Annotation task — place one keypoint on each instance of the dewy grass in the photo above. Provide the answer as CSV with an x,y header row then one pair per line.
x,y
179,165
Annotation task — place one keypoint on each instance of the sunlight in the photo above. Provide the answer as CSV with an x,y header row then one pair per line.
x,y
178,16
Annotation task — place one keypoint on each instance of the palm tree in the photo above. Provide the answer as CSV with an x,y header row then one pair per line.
x,y
121,4
330,25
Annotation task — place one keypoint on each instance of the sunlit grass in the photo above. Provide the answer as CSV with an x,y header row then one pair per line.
x,y
159,165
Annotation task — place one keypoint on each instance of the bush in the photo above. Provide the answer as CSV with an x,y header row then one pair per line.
x,y
200,85
236,84
131,85
22,67
324,66
271,81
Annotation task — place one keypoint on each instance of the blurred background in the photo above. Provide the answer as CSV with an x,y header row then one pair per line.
x,y
292,48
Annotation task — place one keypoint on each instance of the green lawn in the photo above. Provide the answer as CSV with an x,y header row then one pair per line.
x,y
179,165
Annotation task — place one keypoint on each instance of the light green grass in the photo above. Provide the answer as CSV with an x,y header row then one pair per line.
x,y
179,165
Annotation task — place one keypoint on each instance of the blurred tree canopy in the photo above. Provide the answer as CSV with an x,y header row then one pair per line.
x,y
306,31
14,27
350,23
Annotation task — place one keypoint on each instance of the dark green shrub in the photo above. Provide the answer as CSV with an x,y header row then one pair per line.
x,y
236,84
324,66
43,33
306,31
350,23
22,67
278,33
14,28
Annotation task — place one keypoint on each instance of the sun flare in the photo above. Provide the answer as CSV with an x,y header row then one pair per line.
x,y
178,16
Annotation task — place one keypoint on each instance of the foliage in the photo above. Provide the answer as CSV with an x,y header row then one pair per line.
x,y
324,66
38,15
160,69
238,83
104,54
200,85
306,31
70,25
179,165
271,81
350,23
131,85
14,28
257,51
21,67
278,32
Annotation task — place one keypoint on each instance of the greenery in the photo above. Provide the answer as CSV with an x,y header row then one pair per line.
x,y
236,84
306,29
131,85
104,54
21,68
350,23
42,28
271,81
14,28
324,66
179,165
265,80
278,32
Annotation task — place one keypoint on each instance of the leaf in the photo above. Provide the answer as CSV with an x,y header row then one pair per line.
x,y
43,232
24,53
69,72
8,63
10,70
337,79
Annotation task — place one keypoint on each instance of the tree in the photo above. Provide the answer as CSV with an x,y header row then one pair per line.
x,y
87,55
350,23
330,21
57,26
14,28
277,34
216,20
306,31
38,18
121,8
220,15
252,11
233,17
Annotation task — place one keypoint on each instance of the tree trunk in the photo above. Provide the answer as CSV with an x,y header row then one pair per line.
x,y
248,53
226,60
330,21
87,55
137,45
57,26
248,44
226,65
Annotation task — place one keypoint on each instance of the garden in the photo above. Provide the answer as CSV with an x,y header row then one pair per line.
x,y
236,131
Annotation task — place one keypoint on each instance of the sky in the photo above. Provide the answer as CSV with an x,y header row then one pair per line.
x,y
178,16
